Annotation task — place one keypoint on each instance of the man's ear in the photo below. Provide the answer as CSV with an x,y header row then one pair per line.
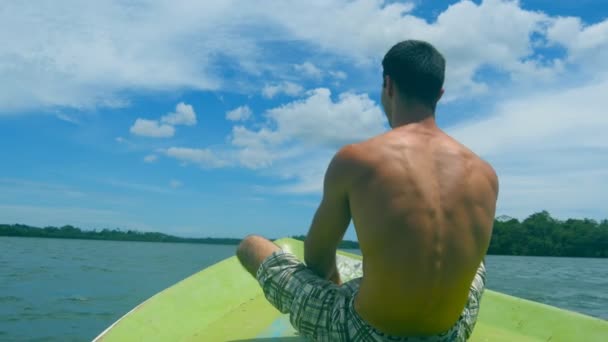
x,y
440,94
389,85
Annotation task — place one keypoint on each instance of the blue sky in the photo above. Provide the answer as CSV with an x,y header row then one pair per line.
x,y
219,118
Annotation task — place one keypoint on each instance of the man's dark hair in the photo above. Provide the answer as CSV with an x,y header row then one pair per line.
x,y
418,69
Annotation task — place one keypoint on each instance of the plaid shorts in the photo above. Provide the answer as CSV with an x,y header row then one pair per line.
x,y
324,311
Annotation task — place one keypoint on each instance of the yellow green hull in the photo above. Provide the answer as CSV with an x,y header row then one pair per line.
x,y
224,303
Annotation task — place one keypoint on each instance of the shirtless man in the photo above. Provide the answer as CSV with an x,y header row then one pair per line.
x,y
422,205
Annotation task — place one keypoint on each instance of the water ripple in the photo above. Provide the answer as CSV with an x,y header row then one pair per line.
x,y
10,299
77,299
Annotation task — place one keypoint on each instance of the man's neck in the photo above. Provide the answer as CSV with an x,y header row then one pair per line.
x,y
422,118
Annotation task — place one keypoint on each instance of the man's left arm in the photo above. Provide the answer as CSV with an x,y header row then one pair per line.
x,y
331,218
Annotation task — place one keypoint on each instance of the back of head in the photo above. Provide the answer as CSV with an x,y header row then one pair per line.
x,y
418,70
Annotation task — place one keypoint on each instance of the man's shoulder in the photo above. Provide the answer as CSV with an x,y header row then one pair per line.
x,y
371,153
354,155
349,162
490,173
480,164
484,169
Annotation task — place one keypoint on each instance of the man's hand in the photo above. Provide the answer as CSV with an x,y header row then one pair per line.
x,y
332,217
335,277
325,268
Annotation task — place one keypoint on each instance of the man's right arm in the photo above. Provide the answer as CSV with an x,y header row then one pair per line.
x,y
331,219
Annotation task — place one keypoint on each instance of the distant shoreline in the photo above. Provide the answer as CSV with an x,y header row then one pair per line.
x,y
127,240
537,235
73,233
348,242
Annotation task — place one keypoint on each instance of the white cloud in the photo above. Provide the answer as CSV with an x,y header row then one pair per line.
x,y
205,158
74,54
542,121
297,140
255,157
339,75
184,115
243,137
256,149
300,137
587,45
66,118
564,30
151,158
304,176
241,113
546,148
119,140
287,88
67,53
175,184
495,34
71,54
308,69
318,120
151,128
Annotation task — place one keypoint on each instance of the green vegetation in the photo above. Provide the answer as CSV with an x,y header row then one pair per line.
x,y
539,234
69,232
542,235
344,244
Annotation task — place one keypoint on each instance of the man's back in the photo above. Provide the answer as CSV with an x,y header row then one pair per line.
x,y
423,207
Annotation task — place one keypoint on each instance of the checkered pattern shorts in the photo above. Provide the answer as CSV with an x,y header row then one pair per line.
x,y
324,311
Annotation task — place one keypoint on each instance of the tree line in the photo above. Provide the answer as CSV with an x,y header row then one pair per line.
x,y
541,235
70,232
537,235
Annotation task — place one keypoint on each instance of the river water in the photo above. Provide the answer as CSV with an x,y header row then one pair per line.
x,y
71,290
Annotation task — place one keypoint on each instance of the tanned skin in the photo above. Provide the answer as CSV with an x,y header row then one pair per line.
x,y
422,205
